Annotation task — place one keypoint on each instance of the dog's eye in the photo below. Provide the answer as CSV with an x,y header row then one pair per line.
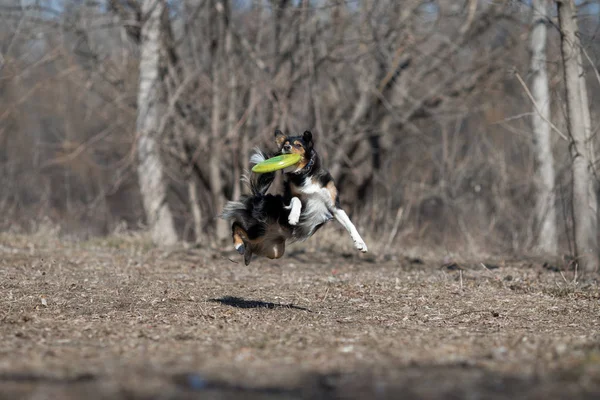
x,y
298,145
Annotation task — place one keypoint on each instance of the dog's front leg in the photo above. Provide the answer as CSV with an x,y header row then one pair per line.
x,y
295,208
341,216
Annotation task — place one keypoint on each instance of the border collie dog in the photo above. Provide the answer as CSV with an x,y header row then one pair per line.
x,y
262,223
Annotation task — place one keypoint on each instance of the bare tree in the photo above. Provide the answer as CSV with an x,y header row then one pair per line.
x,y
151,108
584,193
230,55
216,143
545,210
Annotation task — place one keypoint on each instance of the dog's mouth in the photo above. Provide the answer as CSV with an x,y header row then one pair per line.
x,y
289,149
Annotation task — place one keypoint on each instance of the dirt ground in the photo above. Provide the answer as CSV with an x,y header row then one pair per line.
x,y
117,319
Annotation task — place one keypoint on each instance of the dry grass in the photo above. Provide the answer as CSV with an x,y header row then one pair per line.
x,y
117,319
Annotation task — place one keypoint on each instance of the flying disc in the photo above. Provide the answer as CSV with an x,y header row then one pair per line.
x,y
276,163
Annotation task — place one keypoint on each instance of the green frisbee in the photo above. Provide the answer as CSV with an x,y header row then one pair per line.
x,y
276,163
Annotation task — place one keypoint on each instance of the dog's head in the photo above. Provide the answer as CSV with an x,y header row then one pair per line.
x,y
302,145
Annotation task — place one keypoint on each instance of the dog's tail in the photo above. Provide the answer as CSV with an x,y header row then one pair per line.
x,y
259,183
234,211
244,210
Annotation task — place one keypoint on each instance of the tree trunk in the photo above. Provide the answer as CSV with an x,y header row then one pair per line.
x,y
584,195
151,107
232,118
216,148
545,202
192,184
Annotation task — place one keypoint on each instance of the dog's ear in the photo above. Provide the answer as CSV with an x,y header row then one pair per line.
x,y
307,137
279,137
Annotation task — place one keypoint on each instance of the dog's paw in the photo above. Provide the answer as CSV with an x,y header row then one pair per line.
x,y
295,208
294,217
240,248
360,245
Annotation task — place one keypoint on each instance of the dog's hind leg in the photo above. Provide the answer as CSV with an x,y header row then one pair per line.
x,y
242,243
240,238
248,255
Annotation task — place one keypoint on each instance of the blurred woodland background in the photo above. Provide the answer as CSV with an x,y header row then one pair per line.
x,y
109,108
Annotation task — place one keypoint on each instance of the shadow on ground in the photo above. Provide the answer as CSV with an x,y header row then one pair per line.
x,y
238,302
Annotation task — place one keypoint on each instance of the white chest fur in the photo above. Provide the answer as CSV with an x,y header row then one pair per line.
x,y
317,204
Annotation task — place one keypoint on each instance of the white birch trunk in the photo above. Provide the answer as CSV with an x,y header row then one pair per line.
x,y
151,107
545,203
232,107
216,145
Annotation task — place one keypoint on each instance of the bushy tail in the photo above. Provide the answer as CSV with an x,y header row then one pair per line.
x,y
259,183
233,210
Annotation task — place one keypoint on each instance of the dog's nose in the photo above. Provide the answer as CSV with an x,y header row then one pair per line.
x,y
287,147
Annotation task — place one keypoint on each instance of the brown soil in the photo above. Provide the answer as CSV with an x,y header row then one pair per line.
x,y
116,319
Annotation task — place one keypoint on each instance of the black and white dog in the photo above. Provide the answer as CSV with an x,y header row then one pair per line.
x,y
262,223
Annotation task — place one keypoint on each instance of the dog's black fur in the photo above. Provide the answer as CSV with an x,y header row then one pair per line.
x,y
254,214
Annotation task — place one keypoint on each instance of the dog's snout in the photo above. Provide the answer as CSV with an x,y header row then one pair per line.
x,y
287,147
